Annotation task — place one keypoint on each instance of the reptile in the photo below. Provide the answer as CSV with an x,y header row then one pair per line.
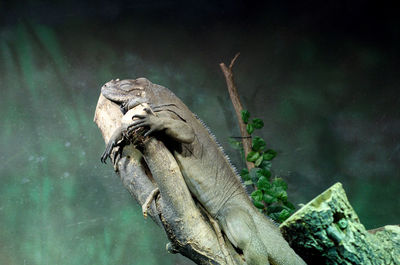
x,y
207,171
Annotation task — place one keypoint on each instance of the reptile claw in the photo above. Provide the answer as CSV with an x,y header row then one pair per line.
x,y
118,155
104,157
149,131
106,154
140,116
136,126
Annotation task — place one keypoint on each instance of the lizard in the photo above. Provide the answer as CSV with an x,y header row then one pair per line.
x,y
207,171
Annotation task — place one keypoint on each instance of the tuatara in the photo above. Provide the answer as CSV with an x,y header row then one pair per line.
x,y
206,169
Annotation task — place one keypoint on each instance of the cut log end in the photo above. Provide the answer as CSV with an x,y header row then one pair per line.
x,y
328,231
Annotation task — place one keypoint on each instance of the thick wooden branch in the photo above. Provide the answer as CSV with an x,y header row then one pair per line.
x,y
129,168
246,138
188,230
328,231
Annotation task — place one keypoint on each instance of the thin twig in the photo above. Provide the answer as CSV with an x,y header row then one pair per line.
x,y
233,60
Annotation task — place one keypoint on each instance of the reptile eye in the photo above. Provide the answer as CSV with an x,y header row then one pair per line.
x,y
126,87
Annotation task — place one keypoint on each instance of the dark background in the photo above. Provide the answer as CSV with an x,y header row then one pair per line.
x,y
324,76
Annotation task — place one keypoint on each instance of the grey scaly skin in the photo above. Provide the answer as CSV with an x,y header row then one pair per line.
x,y
207,171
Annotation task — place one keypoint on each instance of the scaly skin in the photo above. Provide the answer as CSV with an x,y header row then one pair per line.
x,y
207,172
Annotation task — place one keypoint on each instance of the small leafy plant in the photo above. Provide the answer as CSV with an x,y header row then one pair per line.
x,y
269,194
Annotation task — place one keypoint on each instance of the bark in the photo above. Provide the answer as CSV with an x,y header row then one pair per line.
x,y
191,232
328,231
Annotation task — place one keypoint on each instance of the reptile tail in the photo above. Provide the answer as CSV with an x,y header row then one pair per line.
x,y
241,232
280,253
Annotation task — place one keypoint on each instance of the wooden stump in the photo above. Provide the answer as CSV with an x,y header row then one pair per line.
x,y
328,231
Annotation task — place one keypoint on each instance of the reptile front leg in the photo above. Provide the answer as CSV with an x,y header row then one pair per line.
x,y
174,127
178,130
115,140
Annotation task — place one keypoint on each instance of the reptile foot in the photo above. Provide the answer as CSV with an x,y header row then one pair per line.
x,y
107,152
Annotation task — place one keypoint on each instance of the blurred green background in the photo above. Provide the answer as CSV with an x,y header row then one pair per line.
x,y
323,76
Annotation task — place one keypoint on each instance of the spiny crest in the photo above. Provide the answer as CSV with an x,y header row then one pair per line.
x,y
219,147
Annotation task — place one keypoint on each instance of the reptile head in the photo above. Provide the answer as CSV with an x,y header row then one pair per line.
x,y
129,93
121,91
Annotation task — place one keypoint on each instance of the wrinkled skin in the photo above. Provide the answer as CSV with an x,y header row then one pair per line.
x,y
206,170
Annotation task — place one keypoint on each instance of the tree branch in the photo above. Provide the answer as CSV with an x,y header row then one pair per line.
x,y
246,138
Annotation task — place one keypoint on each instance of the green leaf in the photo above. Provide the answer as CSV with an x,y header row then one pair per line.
x,y
259,173
283,215
259,205
264,172
277,191
282,195
279,182
253,156
248,182
244,173
289,205
269,199
258,161
263,183
274,209
271,192
258,123
250,128
257,195
258,144
245,116
274,191
274,216
265,165
235,144
254,176
269,155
